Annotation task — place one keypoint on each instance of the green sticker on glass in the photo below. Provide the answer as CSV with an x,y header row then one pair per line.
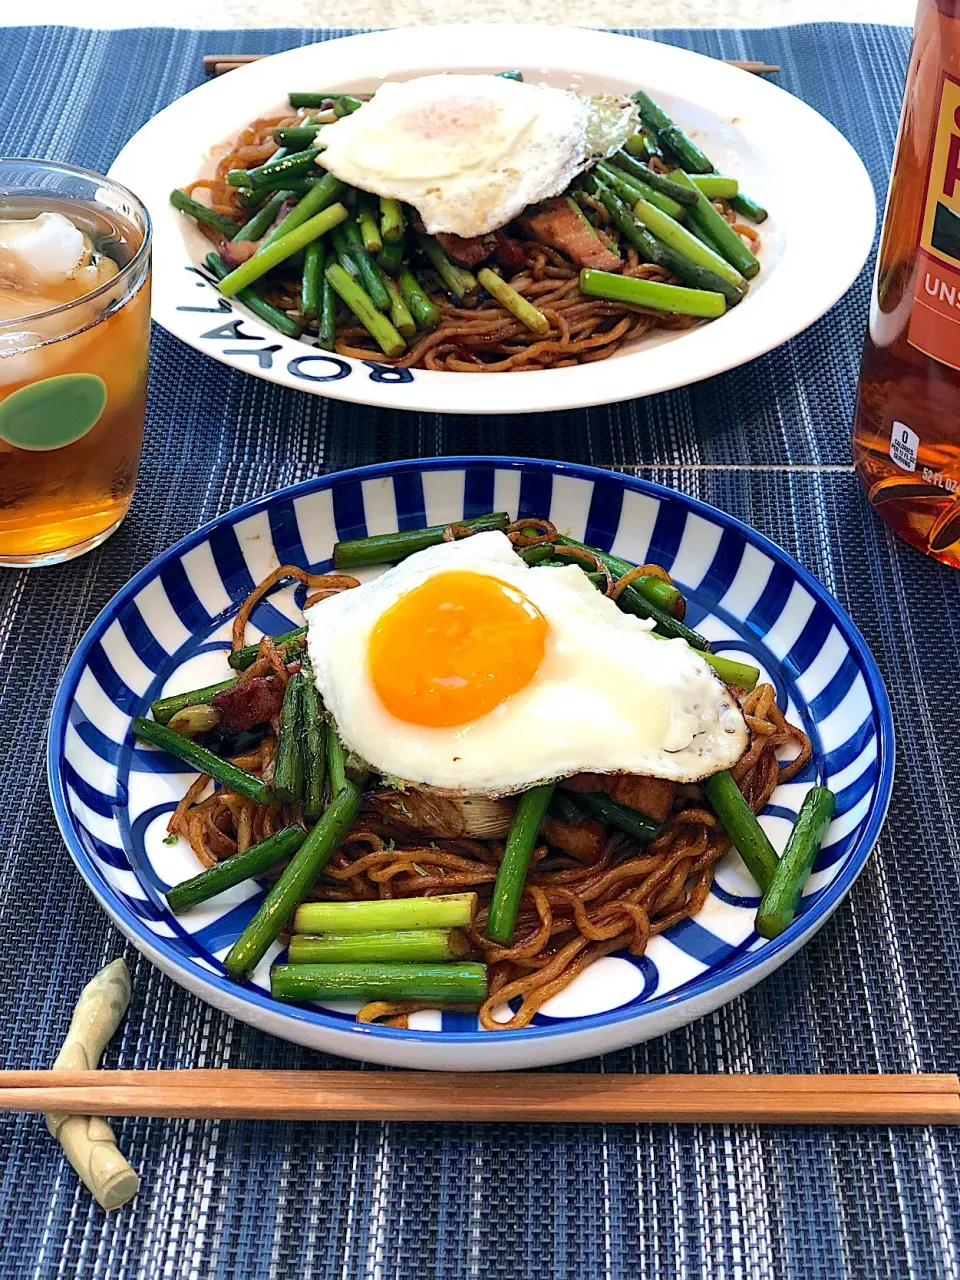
x,y
53,412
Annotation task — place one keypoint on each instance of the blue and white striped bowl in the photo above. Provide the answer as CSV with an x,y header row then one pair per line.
x,y
167,630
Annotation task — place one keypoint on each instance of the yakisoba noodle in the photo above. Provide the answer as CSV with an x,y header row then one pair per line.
x,y
572,912
485,338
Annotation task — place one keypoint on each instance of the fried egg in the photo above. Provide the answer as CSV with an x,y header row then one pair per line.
x,y
471,152
467,670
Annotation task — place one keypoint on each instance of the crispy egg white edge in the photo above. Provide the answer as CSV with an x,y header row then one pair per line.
x,y
339,630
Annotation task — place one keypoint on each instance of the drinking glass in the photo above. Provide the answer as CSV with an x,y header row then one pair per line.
x,y
73,375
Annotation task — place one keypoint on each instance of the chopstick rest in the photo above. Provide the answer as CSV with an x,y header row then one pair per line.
x,y
88,1141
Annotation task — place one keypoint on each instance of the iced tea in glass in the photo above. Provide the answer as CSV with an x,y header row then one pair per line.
x,y
74,341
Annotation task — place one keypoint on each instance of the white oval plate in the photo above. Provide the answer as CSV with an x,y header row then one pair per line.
x,y
751,130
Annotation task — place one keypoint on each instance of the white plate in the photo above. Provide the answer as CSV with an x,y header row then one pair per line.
x,y
752,130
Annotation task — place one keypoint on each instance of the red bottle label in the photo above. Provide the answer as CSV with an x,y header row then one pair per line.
x,y
934,325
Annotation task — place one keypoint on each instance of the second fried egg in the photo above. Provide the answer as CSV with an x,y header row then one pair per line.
x,y
471,152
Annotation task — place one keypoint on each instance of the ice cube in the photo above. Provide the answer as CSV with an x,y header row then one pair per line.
x,y
15,304
42,250
94,273
27,349
21,357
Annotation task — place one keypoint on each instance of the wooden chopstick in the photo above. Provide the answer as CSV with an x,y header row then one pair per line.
x,y
494,1096
213,61
218,64
756,68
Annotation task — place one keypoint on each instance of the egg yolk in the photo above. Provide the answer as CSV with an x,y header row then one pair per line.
x,y
455,647
449,118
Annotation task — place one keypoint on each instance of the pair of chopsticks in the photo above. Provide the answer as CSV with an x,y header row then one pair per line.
x,y
218,64
496,1096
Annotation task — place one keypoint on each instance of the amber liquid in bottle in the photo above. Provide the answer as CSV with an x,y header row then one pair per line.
x,y
906,434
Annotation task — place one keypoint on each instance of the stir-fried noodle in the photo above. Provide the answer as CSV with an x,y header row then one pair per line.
x,y
485,338
611,893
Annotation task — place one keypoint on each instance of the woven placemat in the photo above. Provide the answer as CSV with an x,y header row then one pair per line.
x,y
875,990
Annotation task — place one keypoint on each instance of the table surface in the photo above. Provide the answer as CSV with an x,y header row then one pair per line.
x,y
407,13
875,990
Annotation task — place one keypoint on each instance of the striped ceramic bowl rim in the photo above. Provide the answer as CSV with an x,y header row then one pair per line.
x,y
112,798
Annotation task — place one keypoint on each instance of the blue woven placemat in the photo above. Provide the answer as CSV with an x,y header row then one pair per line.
x,y
876,989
